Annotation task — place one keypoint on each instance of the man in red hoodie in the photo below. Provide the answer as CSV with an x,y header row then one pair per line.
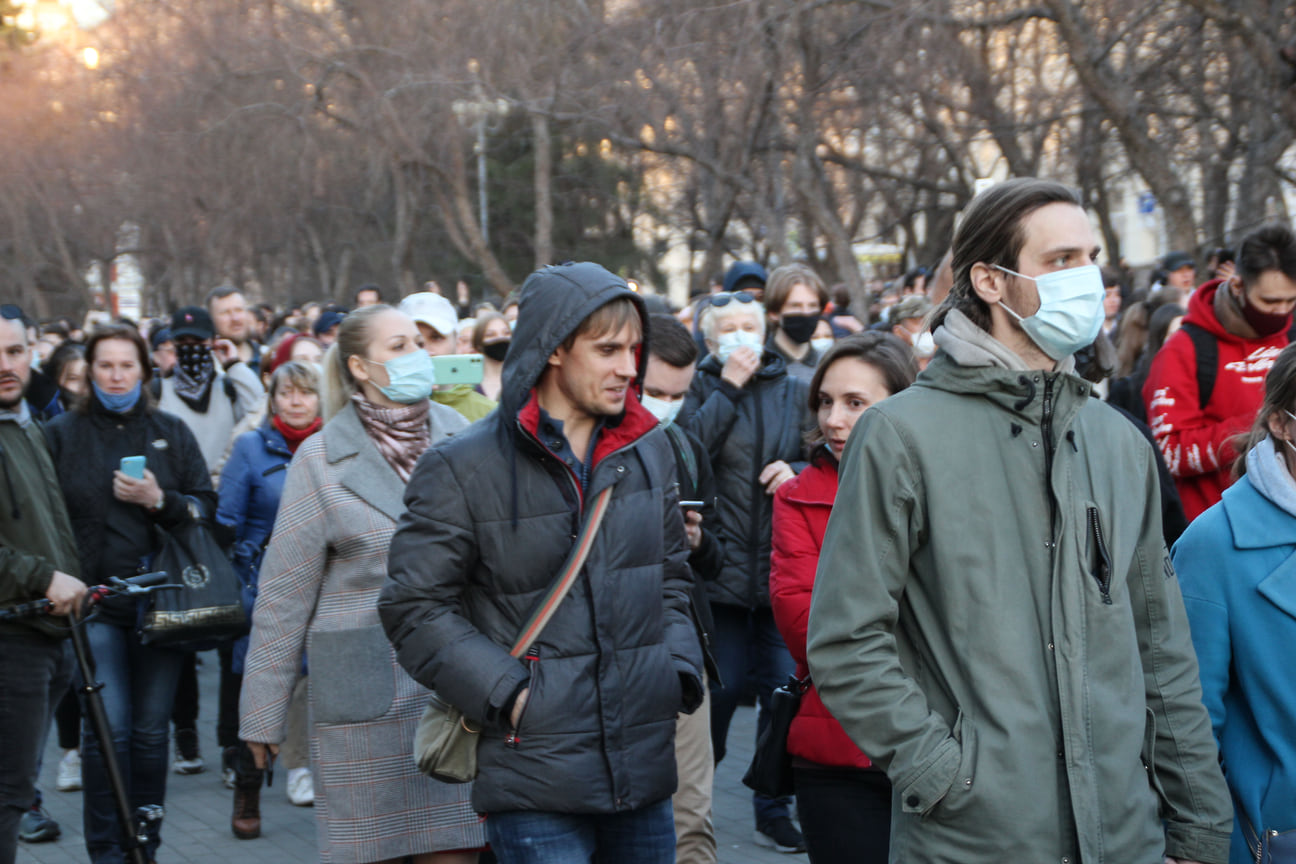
x,y
1207,382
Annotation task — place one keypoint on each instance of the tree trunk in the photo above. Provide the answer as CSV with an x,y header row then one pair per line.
x,y
543,189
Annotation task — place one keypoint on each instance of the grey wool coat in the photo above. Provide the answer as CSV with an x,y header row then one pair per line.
x,y
319,585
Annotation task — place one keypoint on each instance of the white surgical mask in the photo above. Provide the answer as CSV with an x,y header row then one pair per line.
x,y
728,343
822,345
1070,313
924,344
665,410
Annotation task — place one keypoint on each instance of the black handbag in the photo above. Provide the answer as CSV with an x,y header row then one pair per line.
x,y
205,608
770,772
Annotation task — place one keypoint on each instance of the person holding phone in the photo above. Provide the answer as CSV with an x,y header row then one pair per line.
x,y
317,595
437,323
125,468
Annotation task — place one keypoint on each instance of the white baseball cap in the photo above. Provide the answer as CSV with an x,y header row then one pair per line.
x,y
432,310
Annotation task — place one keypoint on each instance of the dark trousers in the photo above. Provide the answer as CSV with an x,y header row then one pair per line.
x,y
138,694
752,658
67,717
184,713
845,813
227,714
28,667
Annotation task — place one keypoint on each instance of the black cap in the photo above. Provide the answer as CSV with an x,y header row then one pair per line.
x,y
744,273
192,321
327,321
1177,261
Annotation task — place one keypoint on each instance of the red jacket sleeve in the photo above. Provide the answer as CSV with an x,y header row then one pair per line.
x,y
793,559
1191,440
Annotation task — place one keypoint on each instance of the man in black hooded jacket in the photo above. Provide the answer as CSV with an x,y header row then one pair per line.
x,y
573,735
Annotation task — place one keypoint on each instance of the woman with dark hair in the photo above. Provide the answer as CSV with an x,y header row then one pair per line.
x,y
115,517
66,368
318,593
491,338
1237,569
843,800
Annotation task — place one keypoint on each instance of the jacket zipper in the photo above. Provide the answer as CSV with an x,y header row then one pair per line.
x,y
753,528
533,659
1103,566
1046,429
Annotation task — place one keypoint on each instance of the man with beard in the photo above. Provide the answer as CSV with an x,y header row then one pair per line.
x,y
232,320
212,388
38,558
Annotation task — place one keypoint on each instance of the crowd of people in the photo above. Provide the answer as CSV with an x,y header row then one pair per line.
x,y
1020,534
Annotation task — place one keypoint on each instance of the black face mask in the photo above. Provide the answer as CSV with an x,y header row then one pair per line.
x,y
799,328
195,360
496,350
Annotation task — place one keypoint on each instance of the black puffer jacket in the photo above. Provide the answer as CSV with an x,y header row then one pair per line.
x,y
492,515
744,430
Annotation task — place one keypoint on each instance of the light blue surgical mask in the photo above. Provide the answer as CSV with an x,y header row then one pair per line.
x,y
118,403
410,377
1070,311
665,410
822,344
728,343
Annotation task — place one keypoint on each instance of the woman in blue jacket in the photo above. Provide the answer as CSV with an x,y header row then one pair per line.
x,y
251,485
1237,567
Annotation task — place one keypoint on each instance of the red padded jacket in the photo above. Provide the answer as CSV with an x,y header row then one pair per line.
x,y
801,508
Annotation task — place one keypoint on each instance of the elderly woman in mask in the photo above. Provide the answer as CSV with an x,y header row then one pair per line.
x,y
317,595
751,416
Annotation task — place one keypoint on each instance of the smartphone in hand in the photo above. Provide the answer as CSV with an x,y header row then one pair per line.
x,y
133,467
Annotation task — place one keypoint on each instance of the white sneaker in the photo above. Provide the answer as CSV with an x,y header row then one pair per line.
x,y
301,787
69,772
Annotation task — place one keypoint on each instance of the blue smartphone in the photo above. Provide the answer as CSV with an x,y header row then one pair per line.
x,y
133,467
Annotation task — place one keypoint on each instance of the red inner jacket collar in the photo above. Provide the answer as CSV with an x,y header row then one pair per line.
x,y
632,425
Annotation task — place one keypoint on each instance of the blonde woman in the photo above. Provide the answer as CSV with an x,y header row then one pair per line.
x,y
318,589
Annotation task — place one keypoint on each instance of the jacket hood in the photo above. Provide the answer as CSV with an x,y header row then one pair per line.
x,y
553,303
1201,311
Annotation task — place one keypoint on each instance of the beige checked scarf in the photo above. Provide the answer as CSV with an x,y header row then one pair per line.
x,y
401,433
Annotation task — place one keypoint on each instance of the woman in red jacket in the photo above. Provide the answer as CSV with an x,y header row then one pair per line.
x,y
843,801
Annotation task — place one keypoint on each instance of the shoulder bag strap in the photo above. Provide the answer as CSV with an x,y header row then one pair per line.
x,y
566,579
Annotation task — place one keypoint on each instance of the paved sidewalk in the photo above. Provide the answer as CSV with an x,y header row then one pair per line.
x,y
198,808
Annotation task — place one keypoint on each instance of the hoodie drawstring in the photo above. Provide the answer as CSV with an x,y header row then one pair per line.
x,y
1025,381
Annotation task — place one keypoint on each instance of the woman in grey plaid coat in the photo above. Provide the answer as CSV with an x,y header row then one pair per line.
x,y
319,585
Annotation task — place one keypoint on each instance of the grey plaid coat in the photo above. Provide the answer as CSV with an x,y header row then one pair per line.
x,y
319,585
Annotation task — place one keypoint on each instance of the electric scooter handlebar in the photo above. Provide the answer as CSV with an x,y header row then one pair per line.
x,y
130,586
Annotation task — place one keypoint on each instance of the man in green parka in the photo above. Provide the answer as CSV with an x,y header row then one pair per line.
x,y
996,621
38,558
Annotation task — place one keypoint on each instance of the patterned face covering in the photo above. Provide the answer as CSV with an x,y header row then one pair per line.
x,y
195,370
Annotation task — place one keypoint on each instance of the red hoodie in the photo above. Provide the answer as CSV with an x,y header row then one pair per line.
x,y
1195,441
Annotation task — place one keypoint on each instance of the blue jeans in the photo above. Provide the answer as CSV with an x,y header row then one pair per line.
x,y
28,664
139,687
643,836
752,657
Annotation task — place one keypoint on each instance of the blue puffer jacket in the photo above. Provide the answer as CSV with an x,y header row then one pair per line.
x,y
250,488
1237,566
